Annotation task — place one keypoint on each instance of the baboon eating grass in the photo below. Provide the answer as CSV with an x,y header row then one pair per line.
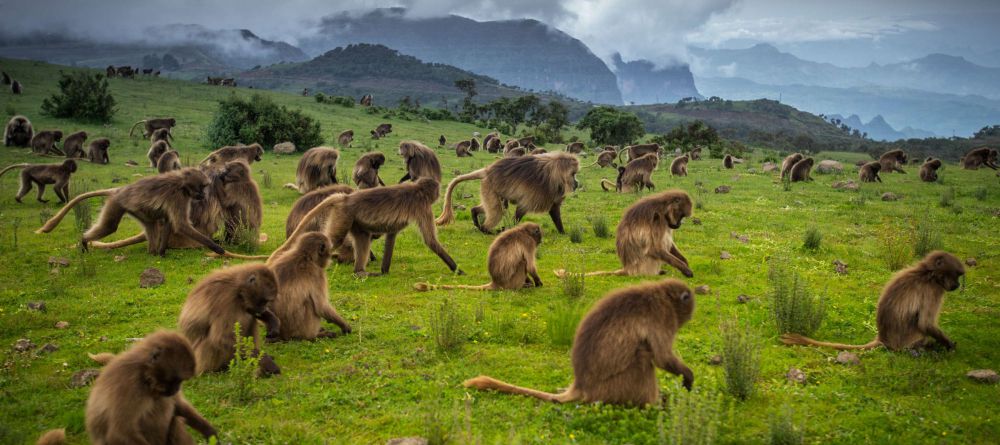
x,y
73,145
248,153
679,166
303,300
869,172
788,163
168,162
44,143
317,168
618,346
511,261
928,171
42,175
979,157
892,161
366,168
97,152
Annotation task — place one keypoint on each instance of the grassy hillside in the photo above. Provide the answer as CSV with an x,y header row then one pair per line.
x,y
389,379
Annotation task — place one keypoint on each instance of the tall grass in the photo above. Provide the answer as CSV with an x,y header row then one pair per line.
x,y
243,368
926,239
783,429
695,417
600,226
795,310
741,348
894,248
446,326
812,239
574,284
561,322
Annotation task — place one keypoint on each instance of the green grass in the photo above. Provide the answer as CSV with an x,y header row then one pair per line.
x,y
388,377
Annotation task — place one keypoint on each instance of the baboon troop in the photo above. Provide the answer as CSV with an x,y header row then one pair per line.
x,y
928,171
788,163
317,168
168,162
634,176
73,145
97,152
41,175
421,162
151,125
979,157
344,139
893,161
44,142
18,132
303,300
511,261
381,131
366,168
727,162
221,81
801,170
869,172
679,166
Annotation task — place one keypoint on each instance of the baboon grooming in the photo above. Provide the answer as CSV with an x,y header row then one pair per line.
x,y
303,300
155,151
137,396
345,138
928,171
908,309
869,172
511,261
462,149
377,210
679,166
536,183
789,162
151,125
421,162
317,168
73,145
618,346
242,206
18,132
800,171
248,153
892,160
42,175
161,203
979,157
727,162
442,140
97,152
635,175
365,173
16,88
238,294
44,142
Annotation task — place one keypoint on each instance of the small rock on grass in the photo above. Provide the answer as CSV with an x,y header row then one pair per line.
x,y
715,360
49,347
151,277
725,255
119,258
83,377
36,306
696,221
796,375
702,290
840,267
58,261
23,344
723,189
890,196
62,324
971,262
407,441
848,358
742,298
983,376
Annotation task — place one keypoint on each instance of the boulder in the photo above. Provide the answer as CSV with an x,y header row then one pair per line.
x,y
829,166
284,148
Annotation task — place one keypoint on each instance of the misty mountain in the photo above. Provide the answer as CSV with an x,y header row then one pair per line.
x,y
880,130
642,83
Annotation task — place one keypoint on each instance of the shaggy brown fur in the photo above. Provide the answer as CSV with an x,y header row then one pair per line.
x,y
511,261
345,252
510,145
606,158
381,131
463,148
474,144
53,437
493,145
16,88
18,132
695,154
169,161
575,147
151,125
727,162
928,171
421,162
44,142
303,300
442,141
242,206
156,150
979,157
344,139
635,151
97,152
869,172
162,134
789,162
892,161
220,157
317,168
73,145
635,175
679,166
515,152
800,171
366,170
42,175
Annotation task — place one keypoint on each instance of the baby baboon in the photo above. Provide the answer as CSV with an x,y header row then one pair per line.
x,y
238,294
161,134
979,157
168,162
18,132
97,152
377,210
161,203
869,172
928,171
511,261
893,160
789,162
155,151
618,346
44,142
727,162
16,88
474,144
800,171
242,206
536,183
908,310
151,125
73,145
137,396
421,162
366,170
345,138
442,140
695,154
220,157
515,152
575,147
42,175
303,300
343,253
679,166
462,149
317,168
635,175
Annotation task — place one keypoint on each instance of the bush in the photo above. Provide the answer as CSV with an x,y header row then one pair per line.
x,y
83,96
783,429
926,239
894,250
740,358
795,310
812,239
260,120
243,367
695,417
574,284
446,327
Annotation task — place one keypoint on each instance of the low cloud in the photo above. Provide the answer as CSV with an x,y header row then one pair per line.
x,y
795,30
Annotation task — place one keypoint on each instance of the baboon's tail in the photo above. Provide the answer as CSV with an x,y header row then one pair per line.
x,y
796,339
53,437
486,382
238,256
620,154
131,130
135,239
320,209
424,287
13,167
102,358
447,213
605,183
561,273
54,221
291,186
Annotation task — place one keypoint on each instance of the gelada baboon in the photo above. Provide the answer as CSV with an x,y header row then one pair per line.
x,y
869,172
343,253
161,134
18,132
151,125
474,144
606,158
242,206
618,346
6,77
635,175
511,261
695,154
317,168
679,166
574,147
979,157
168,162
492,145
538,151
381,131
536,183
161,203
365,172
303,300
373,211
220,157
44,142
893,160
635,151
801,170
489,137
53,437
789,162
345,138
73,145
137,397
727,162
510,145
515,152
442,141
156,150
908,310
421,162
462,149
42,175
97,152
238,294
16,88
928,171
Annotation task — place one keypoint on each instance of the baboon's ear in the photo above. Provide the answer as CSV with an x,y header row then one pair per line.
x,y
252,279
685,296
154,355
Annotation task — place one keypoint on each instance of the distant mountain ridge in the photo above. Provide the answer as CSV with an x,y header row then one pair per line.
x,y
641,83
880,130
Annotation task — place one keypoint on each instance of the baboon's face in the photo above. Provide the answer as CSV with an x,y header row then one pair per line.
x,y
377,161
258,291
945,270
195,184
535,231
168,368
57,135
678,209
319,246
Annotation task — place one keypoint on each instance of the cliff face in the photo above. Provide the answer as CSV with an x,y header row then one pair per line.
x,y
641,83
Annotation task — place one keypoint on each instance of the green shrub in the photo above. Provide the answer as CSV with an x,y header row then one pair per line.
x,y
260,120
812,239
695,417
740,358
83,97
795,310
783,430
561,322
573,284
600,226
894,249
446,326
575,235
980,193
926,239
243,367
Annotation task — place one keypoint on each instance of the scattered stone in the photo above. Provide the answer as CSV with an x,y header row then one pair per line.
x,y
796,375
131,163
971,262
725,255
284,148
890,196
715,360
119,258
190,280
36,306
459,207
742,298
62,324
103,338
49,348
983,375
743,239
262,238
723,189
848,358
840,267
151,277
696,221
407,441
132,339
84,377
467,196
702,290
829,166
23,344
846,185
58,261
769,167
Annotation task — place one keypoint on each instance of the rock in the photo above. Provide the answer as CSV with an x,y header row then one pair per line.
x,y
744,239
796,375
103,338
971,262
725,255
840,267
846,185
36,306
829,166
119,258
284,148
262,238
890,196
23,344
467,196
702,290
83,377
742,299
696,221
62,324
407,441
131,163
769,167
715,360
723,189
983,375
58,261
848,358
458,207
151,277
49,348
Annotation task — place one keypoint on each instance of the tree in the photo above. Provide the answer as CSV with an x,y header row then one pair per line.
x,y
468,86
987,132
83,96
611,126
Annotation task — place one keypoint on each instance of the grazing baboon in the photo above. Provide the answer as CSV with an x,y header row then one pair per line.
x,y
303,301
575,147
155,151
345,138
695,154
789,162
151,125
493,144
474,144
366,100
18,132
511,261
125,72
635,175
727,162
97,152
800,171
679,166
16,88
869,172
248,153
421,162
979,157
536,183
137,396
606,158
317,168
110,71
169,162
381,131
635,151
161,134
893,160
73,145
515,152
538,151
908,309
618,346
343,253
928,171
6,78
442,140
161,204
462,149
510,145
42,175
489,137
377,210
242,206
44,142
238,294
213,80
527,141
228,82
365,173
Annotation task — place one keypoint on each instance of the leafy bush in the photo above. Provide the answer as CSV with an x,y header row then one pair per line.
x,y
812,239
783,430
611,126
740,358
260,120
795,309
695,417
446,326
926,239
344,101
574,284
82,96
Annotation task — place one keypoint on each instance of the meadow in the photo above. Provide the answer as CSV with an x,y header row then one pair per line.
x,y
391,378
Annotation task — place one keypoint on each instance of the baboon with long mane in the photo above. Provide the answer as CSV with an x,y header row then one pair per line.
x,y
869,172
421,162
18,132
366,170
679,166
97,152
73,145
317,168
248,153
928,171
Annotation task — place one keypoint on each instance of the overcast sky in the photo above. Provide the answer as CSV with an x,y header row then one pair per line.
x,y
846,32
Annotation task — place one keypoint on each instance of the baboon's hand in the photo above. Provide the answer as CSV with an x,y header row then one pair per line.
x,y
687,272
688,379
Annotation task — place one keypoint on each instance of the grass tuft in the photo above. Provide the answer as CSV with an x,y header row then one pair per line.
x,y
575,235
243,368
794,309
561,322
812,239
926,239
600,226
783,429
741,349
446,326
695,417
